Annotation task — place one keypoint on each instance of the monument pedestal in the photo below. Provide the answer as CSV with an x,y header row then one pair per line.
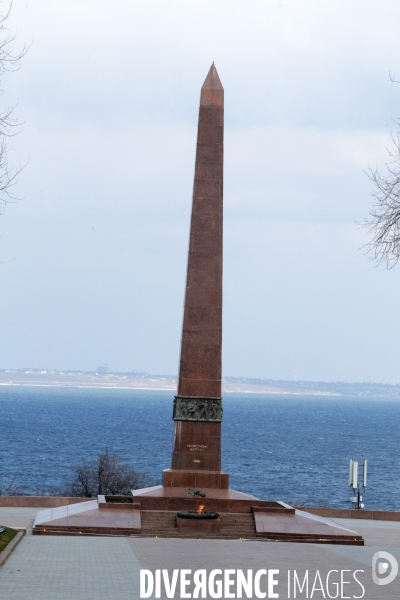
x,y
178,498
196,480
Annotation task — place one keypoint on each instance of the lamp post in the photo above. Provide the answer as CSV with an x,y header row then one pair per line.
x,y
357,486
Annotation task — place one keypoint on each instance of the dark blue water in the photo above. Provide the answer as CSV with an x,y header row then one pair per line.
x,y
290,448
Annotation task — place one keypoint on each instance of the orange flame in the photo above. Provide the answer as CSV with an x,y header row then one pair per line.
x,y
201,508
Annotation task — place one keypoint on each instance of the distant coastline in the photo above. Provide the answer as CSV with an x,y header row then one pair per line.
x,y
144,381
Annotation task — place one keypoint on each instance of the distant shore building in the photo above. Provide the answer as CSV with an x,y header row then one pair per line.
x,y
103,370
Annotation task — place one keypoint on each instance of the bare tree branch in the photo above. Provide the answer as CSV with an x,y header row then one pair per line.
x,y
384,222
9,126
106,474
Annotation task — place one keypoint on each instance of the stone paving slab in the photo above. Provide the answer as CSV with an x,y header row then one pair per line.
x,y
228,554
18,522
18,517
18,512
70,568
377,533
357,524
364,555
75,568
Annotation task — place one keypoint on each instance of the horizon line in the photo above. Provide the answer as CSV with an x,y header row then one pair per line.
x,y
107,371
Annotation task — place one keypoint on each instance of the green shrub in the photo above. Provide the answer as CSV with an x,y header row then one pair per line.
x,y
6,537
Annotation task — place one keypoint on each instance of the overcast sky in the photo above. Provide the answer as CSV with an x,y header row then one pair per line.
x,y
94,255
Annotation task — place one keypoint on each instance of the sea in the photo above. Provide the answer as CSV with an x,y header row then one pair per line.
x,y
276,447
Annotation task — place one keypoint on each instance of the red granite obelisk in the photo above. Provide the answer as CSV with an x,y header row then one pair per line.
x,y
196,459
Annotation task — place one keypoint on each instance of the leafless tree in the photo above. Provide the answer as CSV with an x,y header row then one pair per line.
x,y
9,126
11,487
106,474
383,223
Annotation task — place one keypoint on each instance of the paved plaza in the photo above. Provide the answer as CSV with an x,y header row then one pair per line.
x,y
104,568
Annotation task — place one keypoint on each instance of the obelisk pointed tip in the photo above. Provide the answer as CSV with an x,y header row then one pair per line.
x,y
212,81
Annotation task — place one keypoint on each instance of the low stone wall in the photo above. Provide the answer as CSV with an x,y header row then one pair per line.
x,y
39,501
349,513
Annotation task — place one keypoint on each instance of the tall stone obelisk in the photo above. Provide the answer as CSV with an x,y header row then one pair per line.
x,y
196,459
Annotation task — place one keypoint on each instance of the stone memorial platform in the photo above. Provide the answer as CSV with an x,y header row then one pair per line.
x,y
87,518
278,522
